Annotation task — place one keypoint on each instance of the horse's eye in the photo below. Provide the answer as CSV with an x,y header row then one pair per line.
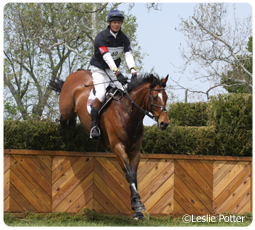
x,y
155,98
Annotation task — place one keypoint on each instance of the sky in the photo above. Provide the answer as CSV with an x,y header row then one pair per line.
x,y
157,37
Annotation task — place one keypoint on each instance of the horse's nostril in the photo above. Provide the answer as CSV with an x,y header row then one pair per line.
x,y
162,124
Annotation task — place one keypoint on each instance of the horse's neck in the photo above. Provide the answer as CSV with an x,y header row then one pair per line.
x,y
140,97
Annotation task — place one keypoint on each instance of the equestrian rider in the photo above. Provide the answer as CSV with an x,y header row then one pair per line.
x,y
109,45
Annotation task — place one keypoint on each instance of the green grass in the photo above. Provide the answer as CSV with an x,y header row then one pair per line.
x,y
90,218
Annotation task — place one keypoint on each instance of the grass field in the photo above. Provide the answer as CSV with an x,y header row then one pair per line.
x,y
90,218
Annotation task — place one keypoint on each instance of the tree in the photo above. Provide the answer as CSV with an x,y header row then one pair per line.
x,y
227,79
47,40
216,46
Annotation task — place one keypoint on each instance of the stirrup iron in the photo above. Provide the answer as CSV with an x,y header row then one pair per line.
x,y
92,129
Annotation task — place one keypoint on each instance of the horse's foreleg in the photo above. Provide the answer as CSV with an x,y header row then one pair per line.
x,y
131,177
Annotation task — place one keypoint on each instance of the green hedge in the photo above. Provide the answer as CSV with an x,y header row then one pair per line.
x,y
42,135
188,114
39,135
229,131
180,140
231,114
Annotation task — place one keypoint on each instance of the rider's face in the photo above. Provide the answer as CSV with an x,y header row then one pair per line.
x,y
115,26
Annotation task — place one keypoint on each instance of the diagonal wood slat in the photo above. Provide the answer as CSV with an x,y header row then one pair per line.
x,y
69,182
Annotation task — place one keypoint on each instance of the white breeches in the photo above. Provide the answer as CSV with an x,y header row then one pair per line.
x,y
99,76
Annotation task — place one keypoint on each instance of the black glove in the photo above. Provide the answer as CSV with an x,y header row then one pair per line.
x,y
121,78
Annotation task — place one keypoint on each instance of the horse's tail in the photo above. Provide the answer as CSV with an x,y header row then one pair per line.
x,y
56,84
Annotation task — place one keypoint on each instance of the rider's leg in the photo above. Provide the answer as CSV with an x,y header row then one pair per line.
x,y
98,78
95,131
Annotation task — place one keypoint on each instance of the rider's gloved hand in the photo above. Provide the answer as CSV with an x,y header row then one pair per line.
x,y
121,78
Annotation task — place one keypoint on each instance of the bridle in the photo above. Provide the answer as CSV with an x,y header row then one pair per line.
x,y
146,112
163,108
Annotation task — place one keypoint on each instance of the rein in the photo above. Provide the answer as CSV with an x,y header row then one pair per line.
x,y
146,112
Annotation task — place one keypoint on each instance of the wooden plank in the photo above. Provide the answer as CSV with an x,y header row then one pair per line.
x,y
104,202
234,184
98,207
165,204
62,167
217,177
156,196
246,208
184,203
7,184
147,167
63,192
7,204
233,197
58,160
153,173
228,178
217,165
241,202
208,165
113,171
47,160
31,183
155,184
115,162
81,163
115,200
190,196
178,210
74,195
82,200
141,163
204,185
23,203
14,206
112,183
6,162
35,171
89,205
143,156
28,194
203,171
193,185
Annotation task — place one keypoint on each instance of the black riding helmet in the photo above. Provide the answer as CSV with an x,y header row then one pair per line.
x,y
115,15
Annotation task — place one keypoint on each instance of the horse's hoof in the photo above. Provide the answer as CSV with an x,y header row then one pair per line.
x,y
140,209
138,216
138,206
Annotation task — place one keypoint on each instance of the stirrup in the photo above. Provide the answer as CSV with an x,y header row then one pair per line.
x,y
92,129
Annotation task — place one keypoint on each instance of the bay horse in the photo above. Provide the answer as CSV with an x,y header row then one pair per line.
x,y
121,123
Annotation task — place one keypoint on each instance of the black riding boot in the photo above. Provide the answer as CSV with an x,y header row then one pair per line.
x,y
95,131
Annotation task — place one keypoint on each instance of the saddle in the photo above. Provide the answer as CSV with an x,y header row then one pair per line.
x,y
111,93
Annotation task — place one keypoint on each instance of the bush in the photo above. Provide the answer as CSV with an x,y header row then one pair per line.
x,y
229,131
188,114
180,140
42,135
231,114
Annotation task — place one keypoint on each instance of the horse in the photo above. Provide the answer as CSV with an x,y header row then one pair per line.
x,y
121,123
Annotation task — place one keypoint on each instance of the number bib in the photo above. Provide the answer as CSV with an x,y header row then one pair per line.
x,y
116,51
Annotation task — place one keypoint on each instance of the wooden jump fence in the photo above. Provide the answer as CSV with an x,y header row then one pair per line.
x,y
59,181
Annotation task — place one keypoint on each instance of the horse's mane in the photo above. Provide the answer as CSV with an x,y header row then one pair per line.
x,y
143,79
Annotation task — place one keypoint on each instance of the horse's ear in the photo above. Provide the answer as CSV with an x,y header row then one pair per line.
x,y
165,80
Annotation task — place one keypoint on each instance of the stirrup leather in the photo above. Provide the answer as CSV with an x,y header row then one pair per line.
x,y
94,128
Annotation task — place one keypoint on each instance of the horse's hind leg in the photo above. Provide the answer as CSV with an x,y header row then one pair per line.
x,y
71,122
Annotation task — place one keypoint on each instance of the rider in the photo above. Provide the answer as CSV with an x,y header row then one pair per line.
x,y
109,45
